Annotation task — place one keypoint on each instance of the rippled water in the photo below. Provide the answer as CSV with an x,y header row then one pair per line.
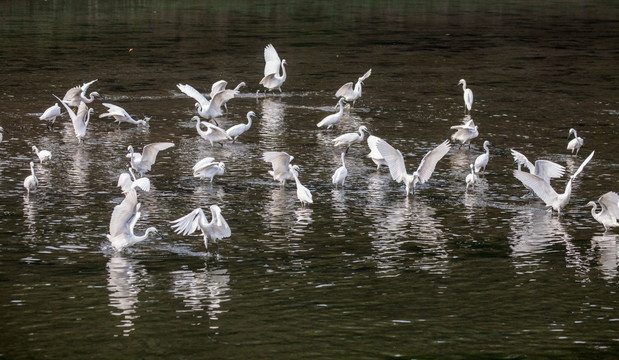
x,y
364,272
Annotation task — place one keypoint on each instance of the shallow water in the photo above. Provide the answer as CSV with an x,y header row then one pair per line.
x,y
364,272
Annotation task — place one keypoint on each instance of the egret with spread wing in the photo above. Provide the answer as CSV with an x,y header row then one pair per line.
x,y
121,115
207,109
143,162
545,169
74,96
214,230
128,181
282,170
80,121
351,93
207,168
609,213
272,78
122,223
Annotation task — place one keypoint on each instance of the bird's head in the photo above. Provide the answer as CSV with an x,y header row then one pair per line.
x,y
364,128
34,148
284,62
591,203
94,93
195,118
462,81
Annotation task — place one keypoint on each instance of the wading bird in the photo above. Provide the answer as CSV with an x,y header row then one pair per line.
x,y
482,160
467,95
348,139
303,193
121,115
80,121
609,213
143,162
214,230
213,134
235,131
351,93
74,96
128,181
340,174
207,168
272,79
466,132
282,170
471,179
576,143
207,109
331,120
122,224
545,169
50,115
31,182
220,86
42,154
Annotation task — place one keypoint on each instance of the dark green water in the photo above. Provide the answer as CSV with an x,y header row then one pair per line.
x,y
362,273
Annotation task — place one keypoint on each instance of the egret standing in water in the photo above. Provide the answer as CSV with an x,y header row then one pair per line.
x,y
340,174
609,213
122,223
42,154
50,114
272,79
216,229
213,134
31,182
207,109
576,143
467,95
544,191
351,93
482,160
207,168
471,179
143,162
235,131
121,115
303,193
349,139
76,95
466,132
80,121
282,170
331,120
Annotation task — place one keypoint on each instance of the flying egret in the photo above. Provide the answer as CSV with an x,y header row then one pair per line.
x,y
43,154
576,143
122,224
128,181
468,96
397,168
1,131
545,169
281,165
482,160
80,121
471,179
609,213
143,162
466,132
340,174
235,131
50,115
74,96
331,120
349,139
207,109
272,79
351,93
216,229
214,134
31,182
121,115
374,154
220,86
545,191
303,193
207,168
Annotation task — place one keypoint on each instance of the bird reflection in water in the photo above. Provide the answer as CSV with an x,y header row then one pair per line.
x,y
607,246
272,124
123,283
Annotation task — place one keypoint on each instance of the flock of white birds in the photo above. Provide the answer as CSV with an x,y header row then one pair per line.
x,y
127,213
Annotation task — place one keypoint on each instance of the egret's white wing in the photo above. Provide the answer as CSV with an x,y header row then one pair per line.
x,y
345,91
393,158
272,60
114,110
215,133
79,122
522,160
200,164
85,86
205,168
190,91
279,159
69,111
236,130
123,214
218,86
547,169
218,227
610,201
124,182
429,161
189,223
222,97
150,151
50,112
143,183
582,166
366,75
374,153
539,186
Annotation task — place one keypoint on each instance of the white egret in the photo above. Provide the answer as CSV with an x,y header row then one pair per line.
x,y
374,154
235,131
207,109
340,174
220,86
143,162
74,96
349,139
42,154
216,229
397,167
207,168
122,223
609,213
128,181
330,120
31,182
213,134
272,79
482,160
576,143
545,169
303,193
1,131
466,132
351,93
80,121
545,191
281,165
471,179
468,96
50,115
121,115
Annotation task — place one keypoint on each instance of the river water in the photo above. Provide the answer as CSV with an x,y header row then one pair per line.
x,y
364,272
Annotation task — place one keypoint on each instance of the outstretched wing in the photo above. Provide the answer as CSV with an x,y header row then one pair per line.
x,y
394,160
218,227
540,187
190,91
279,159
218,86
374,153
123,214
584,163
520,159
200,164
547,169
114,110
272,60
345,90
150,151
366,75
610,201
429,161
189,223
124,182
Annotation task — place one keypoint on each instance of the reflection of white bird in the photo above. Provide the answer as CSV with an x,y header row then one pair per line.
x,y
340,174
213,134
220,86
215,230
120,115
31,182
127,182
465,133
482,160
545,169
76,95
272,79
468,96
374,154
235,131
351,93
397,168
42,154
207,109
349,139
50,115
122,223
281,165
576,143
303,193
545,192
471,179
331,120
610,210
80,121
143,162
207,168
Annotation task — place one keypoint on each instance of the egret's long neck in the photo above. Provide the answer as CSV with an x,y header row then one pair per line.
x,y
343,162
358,87
32,170
283,72
464,88
249,120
